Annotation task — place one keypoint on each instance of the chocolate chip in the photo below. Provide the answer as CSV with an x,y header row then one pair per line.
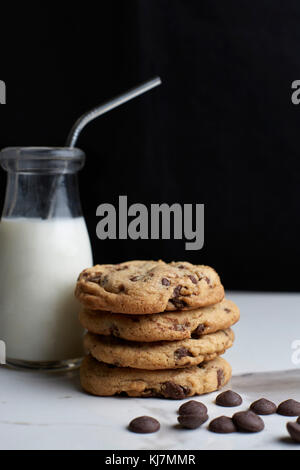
x,y
198,331
149,392
193,279
134,278
222,425
227,310
144,425
298,420
207,279
172,390
180,266
294,430
192,421
182,352
121,288
121,268
289,408
104,280
229,398
95,278
178,303
193,407
176,291
248,421
263,407
114,331
165,281
220,377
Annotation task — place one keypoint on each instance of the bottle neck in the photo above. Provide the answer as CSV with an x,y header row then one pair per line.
x,y
42,196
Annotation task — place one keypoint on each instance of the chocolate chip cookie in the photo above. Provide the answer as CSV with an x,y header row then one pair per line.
x,y
143,287
104,380
166,326
158,355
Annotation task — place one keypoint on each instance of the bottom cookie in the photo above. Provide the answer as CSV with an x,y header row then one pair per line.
x,y
101,379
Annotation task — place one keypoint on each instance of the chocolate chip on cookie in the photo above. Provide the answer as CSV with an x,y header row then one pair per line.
x,y
172,390
198,331
220,377
182,352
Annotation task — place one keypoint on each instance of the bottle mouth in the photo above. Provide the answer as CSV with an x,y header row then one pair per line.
x,y
42,159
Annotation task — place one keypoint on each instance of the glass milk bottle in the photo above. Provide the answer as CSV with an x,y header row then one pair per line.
x,y
44,244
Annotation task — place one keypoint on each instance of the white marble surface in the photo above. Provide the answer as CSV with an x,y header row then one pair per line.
x,y
49,410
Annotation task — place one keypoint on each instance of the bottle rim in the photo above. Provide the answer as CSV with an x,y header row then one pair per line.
x,y
42,153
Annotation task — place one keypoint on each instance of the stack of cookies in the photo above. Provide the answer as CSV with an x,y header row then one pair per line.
x,y
154,329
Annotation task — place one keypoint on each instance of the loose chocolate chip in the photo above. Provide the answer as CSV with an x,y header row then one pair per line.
x,y
263,407
229,398
220,377
294,430
182,352
198,331
193,279
144,425
289,408
192,421
248,421
222,425
165,281
227,310
176,291
172,390
192,407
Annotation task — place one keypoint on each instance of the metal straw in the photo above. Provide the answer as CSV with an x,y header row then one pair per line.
x,y
108,106
93,114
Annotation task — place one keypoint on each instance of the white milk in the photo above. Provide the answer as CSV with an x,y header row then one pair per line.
x,y
40,261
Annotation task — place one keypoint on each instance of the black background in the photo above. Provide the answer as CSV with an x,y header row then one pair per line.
x,y
221,130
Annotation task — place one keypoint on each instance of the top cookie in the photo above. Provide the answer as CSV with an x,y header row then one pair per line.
x,y
142,287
